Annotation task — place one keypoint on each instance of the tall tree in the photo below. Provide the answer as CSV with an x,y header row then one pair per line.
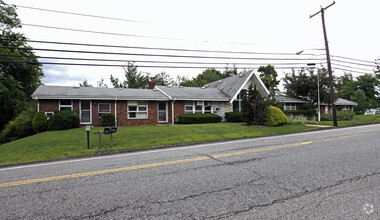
x,y
254,106
85,83
15,70
269,77
305,84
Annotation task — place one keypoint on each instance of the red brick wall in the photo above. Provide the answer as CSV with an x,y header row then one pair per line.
x,y
122,111
49,105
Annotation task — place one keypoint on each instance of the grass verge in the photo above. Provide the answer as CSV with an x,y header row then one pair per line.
x,y
52,145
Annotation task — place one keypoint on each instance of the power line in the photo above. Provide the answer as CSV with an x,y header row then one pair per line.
x,y
157,48
334,64
359,64
143,66
353,59
148,61
85,15
157,55
347,70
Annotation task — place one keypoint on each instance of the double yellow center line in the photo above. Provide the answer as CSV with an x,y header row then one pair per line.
x,y
93,173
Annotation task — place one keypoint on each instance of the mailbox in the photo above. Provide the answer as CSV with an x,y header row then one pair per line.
x,y
113,129
107,130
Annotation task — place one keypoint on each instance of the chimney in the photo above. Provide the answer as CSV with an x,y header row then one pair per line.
x,y
151,84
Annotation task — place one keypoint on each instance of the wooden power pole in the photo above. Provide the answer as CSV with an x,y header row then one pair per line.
x,y
322,11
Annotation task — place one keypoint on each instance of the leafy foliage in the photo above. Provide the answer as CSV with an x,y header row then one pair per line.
x,y
20,127
275,117
305,85
85,83
62,120
234,116
269,77
341,115
310,113
199,118
39,122
254,106
16,77
108,120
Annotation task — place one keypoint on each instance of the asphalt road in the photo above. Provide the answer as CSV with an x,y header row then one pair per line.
x,y
316,175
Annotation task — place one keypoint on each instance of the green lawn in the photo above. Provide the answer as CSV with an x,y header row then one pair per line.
x,y
72,143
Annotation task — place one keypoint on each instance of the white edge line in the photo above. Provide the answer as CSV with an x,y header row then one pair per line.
x,y
170,149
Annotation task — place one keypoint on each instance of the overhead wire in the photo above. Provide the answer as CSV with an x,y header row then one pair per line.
x,y
84,15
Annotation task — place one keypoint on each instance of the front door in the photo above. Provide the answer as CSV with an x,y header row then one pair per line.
x,y
162,111
85,112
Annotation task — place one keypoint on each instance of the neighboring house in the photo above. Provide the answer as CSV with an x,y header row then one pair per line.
x,y
290,102
156,105
296,103
341,105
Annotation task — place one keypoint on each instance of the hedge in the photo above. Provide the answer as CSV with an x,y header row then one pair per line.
x,y
108,120
18,128
310,113
341,116
199,118
234,116
62,120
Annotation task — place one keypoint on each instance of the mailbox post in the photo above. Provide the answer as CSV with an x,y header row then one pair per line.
x,y
88,127
109,131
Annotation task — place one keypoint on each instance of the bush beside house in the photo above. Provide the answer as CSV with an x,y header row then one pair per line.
x,y
199,118
18,128
39,122
234,116
341,116
108,120
310,113
275,117
62,120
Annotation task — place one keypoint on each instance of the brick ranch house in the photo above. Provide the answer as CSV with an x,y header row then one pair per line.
x,y
155,105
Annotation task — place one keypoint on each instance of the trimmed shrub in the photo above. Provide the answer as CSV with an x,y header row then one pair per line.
x,y
234,116
39,122
310,113
62,120
275,117
19,128
108,120
199,118
341,116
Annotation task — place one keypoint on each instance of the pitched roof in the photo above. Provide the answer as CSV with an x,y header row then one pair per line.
x,y
340,101
282,97
193,93
68,92
232,86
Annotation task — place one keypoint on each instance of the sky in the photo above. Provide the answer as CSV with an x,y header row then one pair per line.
x,y
253,26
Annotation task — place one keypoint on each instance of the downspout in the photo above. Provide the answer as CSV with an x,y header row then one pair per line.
x,y
116,112
173,111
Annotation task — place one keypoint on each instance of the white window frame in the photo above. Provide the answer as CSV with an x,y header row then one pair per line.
x,y
104,103
80,112
345,108
47,113
290,106
66,106
203,104
138,106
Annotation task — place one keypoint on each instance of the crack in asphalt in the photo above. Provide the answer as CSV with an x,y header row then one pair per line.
x,y
294,196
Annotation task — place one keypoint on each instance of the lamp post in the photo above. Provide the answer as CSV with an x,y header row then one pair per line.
x,y
88,127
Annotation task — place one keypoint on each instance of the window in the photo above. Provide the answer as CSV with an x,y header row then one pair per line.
x,y
49,114
192,107
65,104
290,106
236,104
345,108
104,108
137,109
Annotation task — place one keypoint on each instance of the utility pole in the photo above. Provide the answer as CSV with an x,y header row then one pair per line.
x,y
322,11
